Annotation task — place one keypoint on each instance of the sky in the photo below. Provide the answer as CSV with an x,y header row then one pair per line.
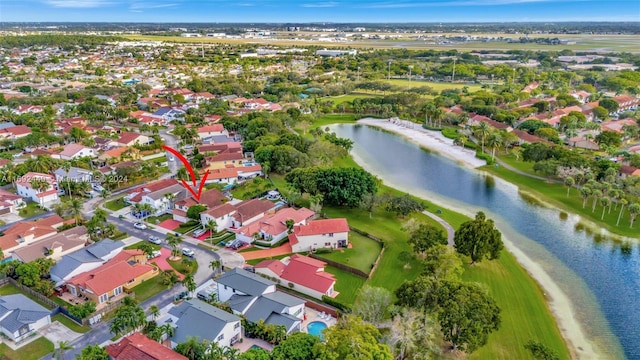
x,y
300,11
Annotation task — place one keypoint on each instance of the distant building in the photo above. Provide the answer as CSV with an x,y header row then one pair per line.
x,y
335,53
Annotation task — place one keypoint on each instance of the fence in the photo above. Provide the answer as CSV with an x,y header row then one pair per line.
x,y
341,266
45,300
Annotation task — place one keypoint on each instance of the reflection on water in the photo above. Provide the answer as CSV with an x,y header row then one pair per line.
x,y
601,277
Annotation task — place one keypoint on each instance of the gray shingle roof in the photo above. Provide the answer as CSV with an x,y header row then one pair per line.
x,y
271,312
200,320
240,303
22,311
75,173
245,281
92,253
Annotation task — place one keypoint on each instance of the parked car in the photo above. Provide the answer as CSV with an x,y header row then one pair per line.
x,y
188,252
97,187
155,240
140,226
154,254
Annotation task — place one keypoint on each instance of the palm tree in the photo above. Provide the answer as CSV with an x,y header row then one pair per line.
x,y
604,201
154,311
212,226
482,131
40,185
215,266
170,198
623,202
634,210
569,182
189,283
173,241
169,278
494,142
75,207
596,193
66,166
63,346
585,192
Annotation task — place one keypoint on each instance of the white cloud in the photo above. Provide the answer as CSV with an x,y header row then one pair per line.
x,y
141,6
78,3
404,4
321,4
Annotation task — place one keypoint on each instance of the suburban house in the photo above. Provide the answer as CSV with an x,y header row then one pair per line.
x,y
27,232
85,259
232,175
137,346
74,174
15,132
110,280
273,228
626,102
159,194
618,125
325,233
212,130
55,246
169,114
21,317
74,151
224,160
209,198
131,138
46,197
196,318
10,203
301,273
227,147
113,154
628,170
256,298
234,216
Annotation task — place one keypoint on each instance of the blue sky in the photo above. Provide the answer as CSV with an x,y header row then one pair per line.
x,y
319,10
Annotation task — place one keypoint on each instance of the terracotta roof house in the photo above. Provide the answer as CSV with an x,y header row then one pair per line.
x,y
232,175
139,347
251,210
55,246
325,233
306,274
525,137
131,138
223,160
583,143
212,130
209,198
46,197
26,232
109,281
15,132
628,170
617,125
115,153
272,228
10,202
73,151
229,147
626,102
84,259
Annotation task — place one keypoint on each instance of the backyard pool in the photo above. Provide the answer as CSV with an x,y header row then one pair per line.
x,y
315,328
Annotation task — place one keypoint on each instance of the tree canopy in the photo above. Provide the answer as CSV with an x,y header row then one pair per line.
x,y
338,186
478,239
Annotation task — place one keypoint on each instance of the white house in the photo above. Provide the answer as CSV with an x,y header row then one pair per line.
x,y
73,151
256,298
44,197
301,273
212,130
10,202
196,318
21,317
273,228
221,214
161,200
326,233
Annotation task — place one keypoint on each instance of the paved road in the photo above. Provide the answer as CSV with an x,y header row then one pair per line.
x,y
450,230
171,142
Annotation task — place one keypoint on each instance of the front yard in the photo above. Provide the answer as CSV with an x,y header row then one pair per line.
x,y
361,256
32,351
116,204
182,267
149,288
158,219
31,209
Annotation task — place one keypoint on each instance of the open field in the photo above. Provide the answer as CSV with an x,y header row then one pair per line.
x,y
361,256
348,98
584,42
438,86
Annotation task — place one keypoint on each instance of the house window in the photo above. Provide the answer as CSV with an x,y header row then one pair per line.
x,y
225,287
237,325
298,312
220,337
327,244
103,298
131,281
331,235
117,291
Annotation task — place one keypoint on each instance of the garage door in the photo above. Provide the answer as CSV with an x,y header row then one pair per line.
x,y
5,211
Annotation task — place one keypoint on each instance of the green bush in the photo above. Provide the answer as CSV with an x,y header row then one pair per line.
x,y
484,156
323,251
450,133
335,303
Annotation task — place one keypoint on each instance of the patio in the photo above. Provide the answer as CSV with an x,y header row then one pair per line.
x,y
79,300
314,315
248,343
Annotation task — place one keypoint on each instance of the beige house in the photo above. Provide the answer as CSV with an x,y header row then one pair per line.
x,y
316,234
55,246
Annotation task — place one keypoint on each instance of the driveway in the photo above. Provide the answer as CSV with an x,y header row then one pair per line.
x,y
10,218
56,332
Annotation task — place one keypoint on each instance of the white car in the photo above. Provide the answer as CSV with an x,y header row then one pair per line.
x,y
188,252
155,240
140,226
154,254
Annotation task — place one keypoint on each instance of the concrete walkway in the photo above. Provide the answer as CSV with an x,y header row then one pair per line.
x,y
450,230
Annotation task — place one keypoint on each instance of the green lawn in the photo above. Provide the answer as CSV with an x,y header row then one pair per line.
x,y
348,98
32,351
149,288
181,268
186,227
438,86
361,256
140,243
158,219
72,325
329,119
30,210
251,188
556,195
347,284
115,204
525,315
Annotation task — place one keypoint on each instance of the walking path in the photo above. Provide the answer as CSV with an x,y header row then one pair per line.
x,y
450,230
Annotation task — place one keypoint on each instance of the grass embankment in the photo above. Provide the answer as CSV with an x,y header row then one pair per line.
x,y
32,351
556,195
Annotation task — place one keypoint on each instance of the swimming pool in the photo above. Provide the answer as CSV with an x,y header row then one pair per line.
x,y
315,328
256,347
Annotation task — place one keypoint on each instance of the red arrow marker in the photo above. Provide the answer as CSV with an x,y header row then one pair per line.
x,y
187,165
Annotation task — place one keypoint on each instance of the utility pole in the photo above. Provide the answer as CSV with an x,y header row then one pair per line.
x,y
389,73
410,67
358,74
453,76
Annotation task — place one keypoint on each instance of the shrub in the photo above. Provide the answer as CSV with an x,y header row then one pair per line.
x,y
484,156
450,133
335,303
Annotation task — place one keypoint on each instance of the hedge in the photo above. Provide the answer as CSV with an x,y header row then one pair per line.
x,y
485,156
335,303
450,133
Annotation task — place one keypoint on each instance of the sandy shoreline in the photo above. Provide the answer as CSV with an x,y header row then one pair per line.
x,y
558,302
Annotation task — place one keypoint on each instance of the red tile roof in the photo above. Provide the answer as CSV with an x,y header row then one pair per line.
x,y
276,266
308,272
324,226
211,128
127,137
140,347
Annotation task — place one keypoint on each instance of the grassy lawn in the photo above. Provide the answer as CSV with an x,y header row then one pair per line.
x,y
438,86
347,284
70,323
32,351
149,288
120,236
556,195
31,209
333,119
257,261
525,315
186,227
251,189
158,219
348,98
10,289
140,243
115,204
361,256
519,164
181,268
